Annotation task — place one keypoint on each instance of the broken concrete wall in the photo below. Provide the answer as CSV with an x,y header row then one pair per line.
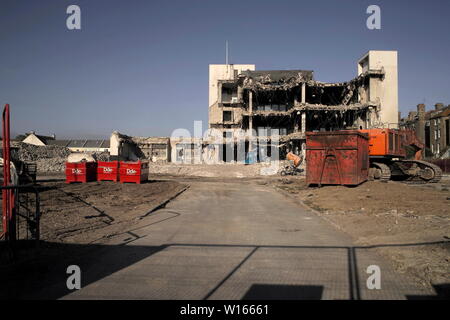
x,y
154,149
186,150
122,147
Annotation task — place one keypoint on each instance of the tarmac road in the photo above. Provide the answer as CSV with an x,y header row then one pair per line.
x,y
236,240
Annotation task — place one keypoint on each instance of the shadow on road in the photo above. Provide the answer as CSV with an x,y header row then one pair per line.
x,y
283,292
44,276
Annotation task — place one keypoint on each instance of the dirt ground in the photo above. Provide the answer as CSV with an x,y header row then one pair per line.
x,y
377,213
91,212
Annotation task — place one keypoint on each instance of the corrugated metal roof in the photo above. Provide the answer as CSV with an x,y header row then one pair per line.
x,y
61,143
80,143
96,144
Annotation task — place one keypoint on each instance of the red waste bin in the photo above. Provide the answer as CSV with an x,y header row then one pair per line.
x,y
108,171
136,172
337,157
81,171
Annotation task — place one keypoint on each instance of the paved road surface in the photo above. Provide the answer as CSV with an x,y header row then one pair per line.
x,y
235,240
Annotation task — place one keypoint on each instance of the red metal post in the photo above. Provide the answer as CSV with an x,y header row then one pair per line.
x,y
8,217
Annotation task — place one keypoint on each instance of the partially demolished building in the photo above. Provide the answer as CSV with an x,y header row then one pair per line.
x,y
154,149
288,103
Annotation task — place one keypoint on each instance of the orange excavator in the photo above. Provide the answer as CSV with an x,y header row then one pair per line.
x,y
397,154
294,162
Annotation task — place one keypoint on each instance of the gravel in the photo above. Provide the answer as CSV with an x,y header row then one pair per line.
x,y
101,156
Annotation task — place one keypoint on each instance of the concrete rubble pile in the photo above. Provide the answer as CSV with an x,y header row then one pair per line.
x,y
51,165
101,156
29,152
50,158
47,158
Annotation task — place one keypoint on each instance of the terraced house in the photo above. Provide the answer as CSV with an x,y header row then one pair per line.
x,y
432,127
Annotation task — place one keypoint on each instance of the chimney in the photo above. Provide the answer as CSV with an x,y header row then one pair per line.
x,y
438,106
421,111
412,115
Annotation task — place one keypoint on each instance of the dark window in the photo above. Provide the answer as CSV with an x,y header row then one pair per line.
x,y
427,137
227,116
229,91
391,141
447,132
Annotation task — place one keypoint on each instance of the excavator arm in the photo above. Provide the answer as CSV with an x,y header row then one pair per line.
x,y
410,140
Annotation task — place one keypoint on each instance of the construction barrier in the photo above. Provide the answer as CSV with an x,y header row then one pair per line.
x,y
108,171
81,171
135,172
337,157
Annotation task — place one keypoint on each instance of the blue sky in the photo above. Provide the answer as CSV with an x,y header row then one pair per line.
x,y
141,67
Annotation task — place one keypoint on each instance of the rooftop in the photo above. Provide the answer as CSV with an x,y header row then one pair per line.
x,y
80,143
279,75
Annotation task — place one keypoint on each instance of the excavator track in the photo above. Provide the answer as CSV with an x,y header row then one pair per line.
x,y
384,170
418,180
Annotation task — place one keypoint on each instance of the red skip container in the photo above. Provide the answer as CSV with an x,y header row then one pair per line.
x,y
136,172
108,171
337,157
81,171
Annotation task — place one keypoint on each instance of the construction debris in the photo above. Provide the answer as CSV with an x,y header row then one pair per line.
x,y
51,165
29,152
154,149
101,156
50,158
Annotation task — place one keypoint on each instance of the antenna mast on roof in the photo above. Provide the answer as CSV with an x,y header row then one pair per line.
x,y
226,52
